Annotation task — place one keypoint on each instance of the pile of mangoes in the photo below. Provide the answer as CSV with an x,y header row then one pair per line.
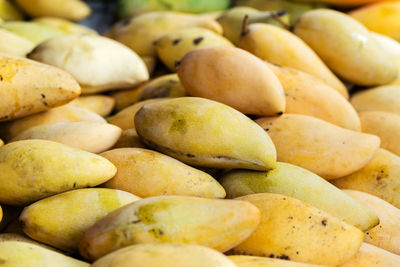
x,y
201,134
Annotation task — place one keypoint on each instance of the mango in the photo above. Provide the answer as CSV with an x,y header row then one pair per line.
x,y
205,133
253,261
23,238
214,223
217,73
382,98
129,138
290,180
28,87
371,256
65,25
318,146
346,3
35,169
347,47
100,104
8,11
293,230
14,45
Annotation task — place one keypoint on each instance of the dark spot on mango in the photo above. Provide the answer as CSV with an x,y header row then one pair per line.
x,y
324,222
177,63
176,41
197,41
279,113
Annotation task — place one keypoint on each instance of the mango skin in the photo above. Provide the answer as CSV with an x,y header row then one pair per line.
x,y
347,47
379,178
28,87
253,261
35,169
205,133
166,255
217,73
14,45
318,146
100,104
129,138
65,25
296,182
61,220
293,230
17,253
371,256
386,234
214,223
382,98
147,173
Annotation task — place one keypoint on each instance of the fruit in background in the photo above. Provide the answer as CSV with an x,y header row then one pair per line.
x,y
293,8
282,47
321,147
383,98
205,133
101,104
254,261
64,25
33,31
217,73
346,3
371,256
130,8
67,9
13,44
232,20
97,63
296,182
129,138
347,47
173,46
140,33
8,11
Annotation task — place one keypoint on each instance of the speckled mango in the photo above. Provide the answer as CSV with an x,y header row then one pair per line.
x,y
28,87
347,47
293,230
94,137
318,146
35,169
61,220
17,253
173,46
147,173
214,223
281,47
129,138
308,95
380,177
386,234
165,255
217,73
14,45
65,113
290,180
371,256
254,261
100,104
383,98
164,86
205,133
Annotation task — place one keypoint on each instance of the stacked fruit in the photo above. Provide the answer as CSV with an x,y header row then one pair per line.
x,y
265,134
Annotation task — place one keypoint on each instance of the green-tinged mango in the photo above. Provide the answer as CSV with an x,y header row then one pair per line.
x,y
293,230
371,256
205,133
64,25
382,98
290,180
319,146
100,104
214,223
254,261
129,138
14,45
35,169
347,47
147,173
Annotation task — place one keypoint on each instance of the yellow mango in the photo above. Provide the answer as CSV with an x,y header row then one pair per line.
x,y
65,25
293,230
379,178
371,256
165,255
214,223
101,104
97,63
125,118
346,3
64,113
386,234
253,261
129,138
94,137
147,173
4,237
140,32
205,133
8,11
385,125
61,220
318,146
67,9
217,73
290,180
347,47
17,253
28,87
35,169
14,45
281,47
383,98
308,95
173,46
164,86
